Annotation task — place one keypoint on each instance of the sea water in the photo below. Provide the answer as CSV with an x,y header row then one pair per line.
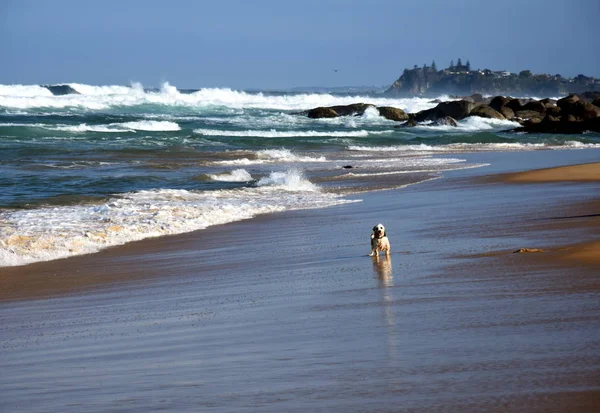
x,y
114,164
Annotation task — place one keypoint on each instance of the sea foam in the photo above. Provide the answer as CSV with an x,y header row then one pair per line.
x,y
56,232
103,97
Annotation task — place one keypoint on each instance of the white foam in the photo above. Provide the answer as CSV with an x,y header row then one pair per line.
x,y
50,233
472,147
87,128
292,180
471,124
91,90
272,156
103,97
237,175
150,125
288,134
24,91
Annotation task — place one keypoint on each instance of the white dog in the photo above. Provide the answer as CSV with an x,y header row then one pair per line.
x,y
379,241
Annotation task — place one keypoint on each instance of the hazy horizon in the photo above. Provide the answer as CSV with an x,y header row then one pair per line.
x,y
274,45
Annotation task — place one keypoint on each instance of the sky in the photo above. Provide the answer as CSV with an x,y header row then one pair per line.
x,y
280,44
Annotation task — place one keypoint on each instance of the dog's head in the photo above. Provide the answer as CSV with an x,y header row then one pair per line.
x,y
379,231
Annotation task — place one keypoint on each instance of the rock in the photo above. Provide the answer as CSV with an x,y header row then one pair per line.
x,y
507,112
347,167
566,125
527,114
534,120
446,121
570,118
568,101
553,110
535,106
457,109
60,90
592,125
596,102
410,123
548,102
391,113
322,112
435,101
484,111
520,250
498,102
515,104
584,110
355,109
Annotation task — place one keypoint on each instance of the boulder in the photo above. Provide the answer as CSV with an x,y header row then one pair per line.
x,y
568,101
484,111
355,109
567,125
507,112
535,106
498,102
592,125
596,102
392,113
527,114
322,112
570,118
548,102
410,123
553,110
584,110
446,121
514,104
457,109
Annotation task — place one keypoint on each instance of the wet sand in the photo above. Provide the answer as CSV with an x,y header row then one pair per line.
x,y
571,173
287,312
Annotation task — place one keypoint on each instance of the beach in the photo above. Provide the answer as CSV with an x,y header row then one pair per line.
x,y
286,312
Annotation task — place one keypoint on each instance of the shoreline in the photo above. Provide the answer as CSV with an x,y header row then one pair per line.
x,y
120,265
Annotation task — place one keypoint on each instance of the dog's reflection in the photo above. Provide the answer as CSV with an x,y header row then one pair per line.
x,y
383,268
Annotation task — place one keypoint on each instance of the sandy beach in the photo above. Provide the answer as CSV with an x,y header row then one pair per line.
x,y
286,312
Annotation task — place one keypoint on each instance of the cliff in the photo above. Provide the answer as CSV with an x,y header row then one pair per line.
x,y
428,82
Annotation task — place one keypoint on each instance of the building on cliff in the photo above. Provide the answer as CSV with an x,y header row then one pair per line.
x,y
459,79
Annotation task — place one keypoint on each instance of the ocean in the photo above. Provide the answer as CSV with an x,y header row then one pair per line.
x,y
114,164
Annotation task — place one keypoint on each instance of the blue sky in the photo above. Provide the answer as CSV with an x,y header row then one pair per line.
x,y
269,44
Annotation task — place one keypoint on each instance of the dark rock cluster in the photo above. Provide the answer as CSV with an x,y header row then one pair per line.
x,y
60,90
572,114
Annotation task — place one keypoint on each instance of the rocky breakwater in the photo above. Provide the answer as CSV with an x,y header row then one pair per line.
x,y
569,115
356,109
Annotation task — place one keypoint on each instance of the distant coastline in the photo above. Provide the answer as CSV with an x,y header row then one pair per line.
x,y
460,79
